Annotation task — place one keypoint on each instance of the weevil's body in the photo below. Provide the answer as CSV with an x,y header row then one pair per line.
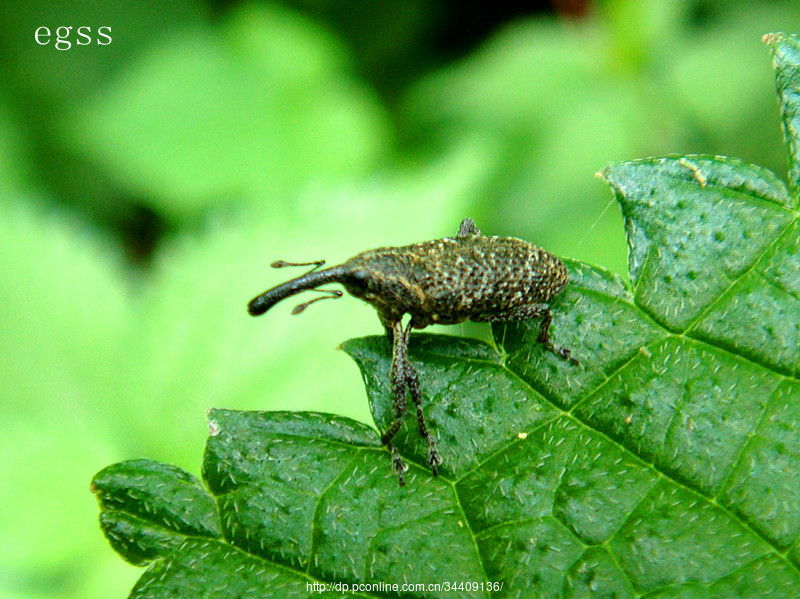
x,y
447,281
444,281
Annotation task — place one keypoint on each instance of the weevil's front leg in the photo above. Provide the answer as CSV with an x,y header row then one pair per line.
x,y
412,380
404,377
398,377
434,459
527,312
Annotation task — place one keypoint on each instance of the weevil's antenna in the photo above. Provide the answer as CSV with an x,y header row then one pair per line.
x,y
283,264
334,294
310,280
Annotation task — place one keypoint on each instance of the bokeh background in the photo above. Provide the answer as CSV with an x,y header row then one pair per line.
x,y
146,185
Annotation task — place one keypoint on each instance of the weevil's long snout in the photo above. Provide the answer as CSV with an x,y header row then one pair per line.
x,y
262,303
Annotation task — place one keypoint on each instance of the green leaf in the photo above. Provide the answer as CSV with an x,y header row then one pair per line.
x,y
786,61
664,465
676,276
149,507
713,245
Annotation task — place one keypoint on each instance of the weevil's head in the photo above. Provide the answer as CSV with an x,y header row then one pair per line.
x,y
380,278
364,278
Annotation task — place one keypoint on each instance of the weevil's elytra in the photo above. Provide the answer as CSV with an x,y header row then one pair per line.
x,y
444,281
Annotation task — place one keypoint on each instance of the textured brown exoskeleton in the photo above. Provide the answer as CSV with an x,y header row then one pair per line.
x,y
445,281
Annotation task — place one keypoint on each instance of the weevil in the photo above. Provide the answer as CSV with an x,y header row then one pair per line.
x,y
444,281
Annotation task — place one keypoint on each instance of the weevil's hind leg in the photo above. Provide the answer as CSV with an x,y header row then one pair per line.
x,y
467,228
398,377
544,338
525,313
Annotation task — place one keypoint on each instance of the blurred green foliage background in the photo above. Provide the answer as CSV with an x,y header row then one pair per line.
x,y
146,185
